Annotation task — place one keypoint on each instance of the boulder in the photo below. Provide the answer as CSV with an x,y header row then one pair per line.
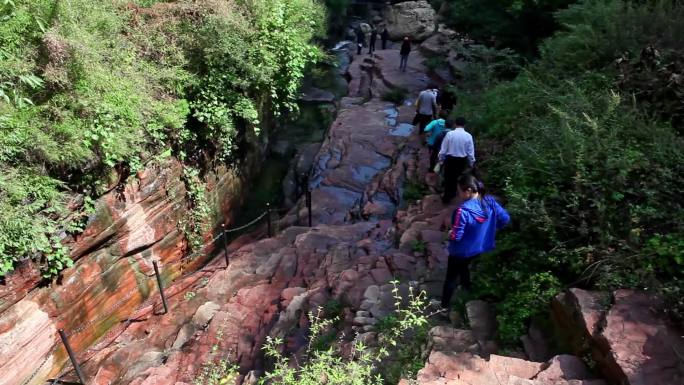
x,y
415,19
316,95
481,319
630,340
564,367
437,44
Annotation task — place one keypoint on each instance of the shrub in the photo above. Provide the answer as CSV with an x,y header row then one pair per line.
x,y
509,23
364,365
414,190
86,91
590,176
395,95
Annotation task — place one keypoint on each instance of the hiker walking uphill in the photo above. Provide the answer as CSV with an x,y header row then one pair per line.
x,y
384,36
373,38
457,154
404,53
438,128
360,41
426,107
474,224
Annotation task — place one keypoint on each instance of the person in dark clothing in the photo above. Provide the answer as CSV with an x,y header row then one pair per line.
x,y
474,224
404,53
373,37
360,40
446,99
384,36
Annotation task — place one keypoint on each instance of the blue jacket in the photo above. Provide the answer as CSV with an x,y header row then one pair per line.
x,y
436,126
474,227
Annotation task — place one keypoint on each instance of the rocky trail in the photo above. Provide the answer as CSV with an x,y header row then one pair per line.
x,y
363,237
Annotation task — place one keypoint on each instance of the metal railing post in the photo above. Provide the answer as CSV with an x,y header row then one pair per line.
x,y
308,204
268,217
225,243
161,287
307,196
72,356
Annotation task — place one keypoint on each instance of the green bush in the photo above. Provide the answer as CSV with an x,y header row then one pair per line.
x,y
364,365
414,190
591,178
395,95
515,24
88,90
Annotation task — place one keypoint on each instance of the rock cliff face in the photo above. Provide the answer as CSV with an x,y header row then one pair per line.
x,y
109,304
113,271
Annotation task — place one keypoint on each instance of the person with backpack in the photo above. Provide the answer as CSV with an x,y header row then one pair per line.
x,y
474,224
436,129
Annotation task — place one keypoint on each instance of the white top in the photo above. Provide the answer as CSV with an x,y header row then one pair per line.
x,y
459,143
427,101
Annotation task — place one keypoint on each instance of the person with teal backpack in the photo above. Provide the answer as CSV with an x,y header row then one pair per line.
x,y
474,225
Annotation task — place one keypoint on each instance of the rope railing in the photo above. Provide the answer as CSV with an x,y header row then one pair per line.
x,y
111,311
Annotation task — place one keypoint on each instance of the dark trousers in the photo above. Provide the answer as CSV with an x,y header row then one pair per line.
x,y
422,121
456,267
403,62
384,44
359,48
453,168
434,152
371,46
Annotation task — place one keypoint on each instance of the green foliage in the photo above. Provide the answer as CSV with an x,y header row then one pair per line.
x,y
337,10
591,178
245,60
516,24
87,90
485,66
419,246
414,189
531,297
436,62
364,365
395,95
195,224
220,372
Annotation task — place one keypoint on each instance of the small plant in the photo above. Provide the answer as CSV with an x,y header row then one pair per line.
x,y
419,246
414,190
363,366
194,224
220,372
436,62
189,295
395,95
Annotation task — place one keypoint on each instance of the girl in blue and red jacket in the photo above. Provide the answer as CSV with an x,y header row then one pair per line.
x,y
474,225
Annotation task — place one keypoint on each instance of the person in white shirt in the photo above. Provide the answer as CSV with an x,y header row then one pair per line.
x,y
457,155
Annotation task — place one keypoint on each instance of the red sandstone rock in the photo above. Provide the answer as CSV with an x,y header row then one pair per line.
x,y
630,340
